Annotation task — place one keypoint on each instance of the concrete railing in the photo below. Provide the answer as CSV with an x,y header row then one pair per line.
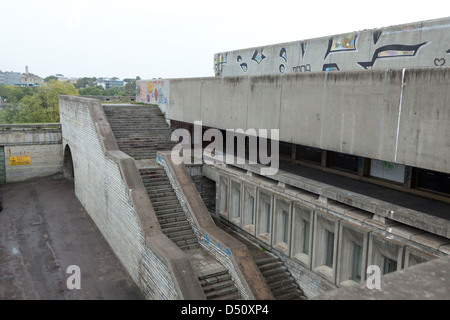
x,y
232,251
30,127
179,266
425,281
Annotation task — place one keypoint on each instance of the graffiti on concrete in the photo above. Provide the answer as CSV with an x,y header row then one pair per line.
x,y
243,65
330,67
391,51
391,47
258,56
439,62
302,68
341,43
283,54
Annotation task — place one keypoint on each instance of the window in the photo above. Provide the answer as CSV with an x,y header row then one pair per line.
x,y
235,203
309,154
306,228
432,180
344,161
301,234
285,218
264,216
357,254
329,246
248,209
390,265
268,217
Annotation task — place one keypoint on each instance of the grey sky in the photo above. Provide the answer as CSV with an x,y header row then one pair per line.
x,y
175,39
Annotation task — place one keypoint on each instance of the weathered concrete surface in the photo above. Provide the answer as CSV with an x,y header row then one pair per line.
x,y
425,281
380,48
42,143
43,230
399,116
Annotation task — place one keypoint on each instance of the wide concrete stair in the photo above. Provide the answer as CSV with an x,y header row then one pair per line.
x,y
219,286
169,212
279,279
140,131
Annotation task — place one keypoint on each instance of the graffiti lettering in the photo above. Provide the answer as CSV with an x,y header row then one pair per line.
x,y
391,51
302,68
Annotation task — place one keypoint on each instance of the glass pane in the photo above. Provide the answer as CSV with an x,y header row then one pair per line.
x,y
253,209
305,237
390,265
285,226
356,262
329,249
268,218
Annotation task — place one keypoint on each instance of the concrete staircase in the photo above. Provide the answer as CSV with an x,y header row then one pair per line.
x,y
219,286
279,279
171,216
140,131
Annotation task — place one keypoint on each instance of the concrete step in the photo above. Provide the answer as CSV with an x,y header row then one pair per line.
x,y
229,293
270,265
161,213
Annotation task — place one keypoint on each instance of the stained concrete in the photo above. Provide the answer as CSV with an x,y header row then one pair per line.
x,y
43,230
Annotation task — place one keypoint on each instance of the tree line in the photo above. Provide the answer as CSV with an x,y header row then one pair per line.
x,y
41,104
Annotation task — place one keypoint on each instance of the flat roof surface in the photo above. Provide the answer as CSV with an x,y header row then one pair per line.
x,y
44,229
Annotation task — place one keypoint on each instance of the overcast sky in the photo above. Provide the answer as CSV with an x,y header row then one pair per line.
x,y
175,39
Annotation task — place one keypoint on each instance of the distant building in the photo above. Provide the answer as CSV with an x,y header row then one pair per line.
x,y
109,83
62,78
9,78
28,78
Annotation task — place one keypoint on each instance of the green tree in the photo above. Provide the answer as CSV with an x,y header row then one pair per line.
x,y
85,82
92,91
43,106
14,94
115,91
49,78
130,86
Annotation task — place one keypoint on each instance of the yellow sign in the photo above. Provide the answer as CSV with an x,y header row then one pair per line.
x,y
20,161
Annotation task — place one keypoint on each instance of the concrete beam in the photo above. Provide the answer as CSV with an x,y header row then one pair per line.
x,y
425,281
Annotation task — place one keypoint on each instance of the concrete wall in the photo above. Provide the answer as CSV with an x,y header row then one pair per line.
x,y
419,44
358,221
39,148
108,185
399,116
154,92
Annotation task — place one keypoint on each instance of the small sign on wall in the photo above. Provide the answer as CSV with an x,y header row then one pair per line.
x,y
20,161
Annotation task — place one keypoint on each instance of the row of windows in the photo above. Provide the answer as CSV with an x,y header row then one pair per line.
x,y
409,179
310,237
393,173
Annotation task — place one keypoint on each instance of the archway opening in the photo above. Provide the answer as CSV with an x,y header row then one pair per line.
x,y
68,171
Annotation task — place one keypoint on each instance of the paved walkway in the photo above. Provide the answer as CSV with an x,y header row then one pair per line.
x,y
43,230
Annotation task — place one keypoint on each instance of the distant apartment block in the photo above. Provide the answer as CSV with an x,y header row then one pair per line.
x,y
9,78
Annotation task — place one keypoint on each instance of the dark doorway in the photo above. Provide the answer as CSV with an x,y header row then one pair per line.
x,y
68,171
